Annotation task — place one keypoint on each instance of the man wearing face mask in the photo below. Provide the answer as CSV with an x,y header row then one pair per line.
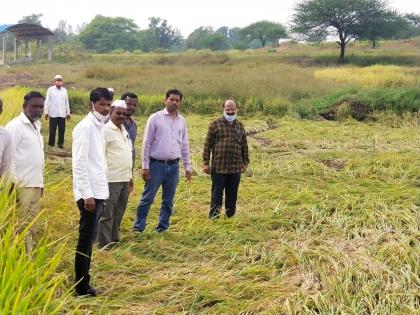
x,y
90,185
57,110
227,145
27,152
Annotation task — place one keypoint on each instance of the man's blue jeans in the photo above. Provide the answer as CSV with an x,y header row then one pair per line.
x,y
166,175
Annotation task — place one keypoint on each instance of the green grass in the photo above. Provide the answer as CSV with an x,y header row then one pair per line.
x,y
328,223
308,237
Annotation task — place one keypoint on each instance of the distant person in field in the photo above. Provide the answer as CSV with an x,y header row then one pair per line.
x,y
5,151
118,149
27,151
227,146
131,100
111,91
90,184
57,110
165,142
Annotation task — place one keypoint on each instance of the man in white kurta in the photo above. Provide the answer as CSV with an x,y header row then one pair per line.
x,y
57,110
27,151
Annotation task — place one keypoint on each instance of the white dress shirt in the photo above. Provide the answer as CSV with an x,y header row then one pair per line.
x,y
5,152
118,153
27,148
89,163
57,102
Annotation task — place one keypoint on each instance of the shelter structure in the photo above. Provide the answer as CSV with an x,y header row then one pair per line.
x,y
25,32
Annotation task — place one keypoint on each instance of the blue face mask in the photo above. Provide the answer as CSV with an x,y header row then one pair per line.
x,y
229,118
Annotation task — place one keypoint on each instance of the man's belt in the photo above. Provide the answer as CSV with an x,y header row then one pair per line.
x,y
169,162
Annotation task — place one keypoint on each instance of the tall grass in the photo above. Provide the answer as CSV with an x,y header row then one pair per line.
x,y
373,76
29,283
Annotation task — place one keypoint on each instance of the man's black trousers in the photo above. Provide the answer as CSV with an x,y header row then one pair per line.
x,y
227,183
54,123
87,234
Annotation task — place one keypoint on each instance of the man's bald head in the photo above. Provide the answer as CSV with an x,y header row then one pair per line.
x,y
229,103
229,107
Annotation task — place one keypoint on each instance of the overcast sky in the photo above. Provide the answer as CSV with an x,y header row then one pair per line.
x,y
185,15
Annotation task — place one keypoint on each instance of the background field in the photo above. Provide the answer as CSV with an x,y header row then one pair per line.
x,y
328,222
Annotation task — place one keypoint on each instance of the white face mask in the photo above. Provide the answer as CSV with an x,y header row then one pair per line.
x,y
100,116
229,118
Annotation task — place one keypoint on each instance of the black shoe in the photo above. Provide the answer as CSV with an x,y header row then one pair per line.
x,y
160,230
60,147
137,231
91,292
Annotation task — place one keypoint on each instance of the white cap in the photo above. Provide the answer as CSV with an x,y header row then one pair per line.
x,y
119,103
110,89
58,77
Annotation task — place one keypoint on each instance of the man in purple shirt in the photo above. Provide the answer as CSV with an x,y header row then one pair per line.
x,y
165,142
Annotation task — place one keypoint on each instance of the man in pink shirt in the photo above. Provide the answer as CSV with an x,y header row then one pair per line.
x,y
165,142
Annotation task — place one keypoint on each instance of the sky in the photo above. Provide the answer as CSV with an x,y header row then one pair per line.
x,y
186,15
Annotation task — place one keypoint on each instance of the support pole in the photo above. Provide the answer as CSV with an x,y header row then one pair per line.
x,y
38,50
49,48
26,48
15,49
4,47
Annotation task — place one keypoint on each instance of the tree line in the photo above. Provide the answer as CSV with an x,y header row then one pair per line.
x,y
312,21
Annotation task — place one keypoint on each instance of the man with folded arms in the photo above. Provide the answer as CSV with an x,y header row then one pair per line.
x,y
165,143
118,149
90,185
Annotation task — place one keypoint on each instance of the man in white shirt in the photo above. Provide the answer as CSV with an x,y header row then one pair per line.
x,y
57,110
90,185
118,147
27,150
5,150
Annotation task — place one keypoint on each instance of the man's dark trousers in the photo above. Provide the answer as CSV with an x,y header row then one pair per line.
x,y
87,234
229,183
55,122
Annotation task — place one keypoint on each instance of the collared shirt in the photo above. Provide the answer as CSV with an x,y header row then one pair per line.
x,y
57,102
27,147
89,163
226,143
165,138
132,133
118,149
5,152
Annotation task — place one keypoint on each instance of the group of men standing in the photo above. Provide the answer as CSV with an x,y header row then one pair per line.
x,y
103,158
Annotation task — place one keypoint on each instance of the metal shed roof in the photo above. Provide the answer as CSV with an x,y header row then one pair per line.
x,y
26,30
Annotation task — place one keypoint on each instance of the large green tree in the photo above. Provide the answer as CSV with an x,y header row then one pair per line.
x,y
206,38
166,36
264,32
147,40
105,34
384,25
344,18
233,37
412,27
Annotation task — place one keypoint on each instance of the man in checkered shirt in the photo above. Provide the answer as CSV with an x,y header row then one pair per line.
x,y
226,144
